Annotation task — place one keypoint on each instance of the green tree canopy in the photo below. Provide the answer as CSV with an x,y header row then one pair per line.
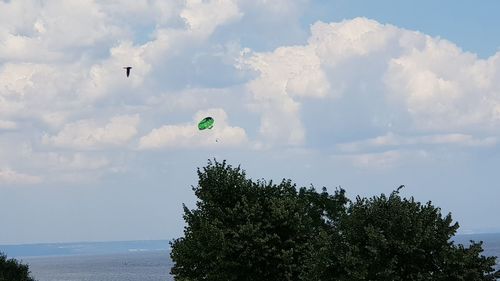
x,y
246,230
394,238
256,230
13,270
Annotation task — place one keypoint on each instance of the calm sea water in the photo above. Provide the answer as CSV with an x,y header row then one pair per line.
x,y
134,260
137,266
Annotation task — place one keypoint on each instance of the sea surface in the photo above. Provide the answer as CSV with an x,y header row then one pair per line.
x,y
95,261
133,266
133,260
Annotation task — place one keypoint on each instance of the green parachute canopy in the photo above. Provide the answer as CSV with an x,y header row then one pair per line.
x,y
206,123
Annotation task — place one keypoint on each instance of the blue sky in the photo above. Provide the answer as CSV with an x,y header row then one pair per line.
x,y
472,26
358,94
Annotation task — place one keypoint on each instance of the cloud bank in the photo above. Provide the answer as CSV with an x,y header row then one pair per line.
x,y
353,88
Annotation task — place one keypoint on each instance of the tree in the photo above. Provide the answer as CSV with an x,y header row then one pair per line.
x,y
257,230
394,238
12,270
245,230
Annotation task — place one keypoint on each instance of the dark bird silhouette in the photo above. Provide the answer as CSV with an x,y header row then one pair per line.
x,y
128,68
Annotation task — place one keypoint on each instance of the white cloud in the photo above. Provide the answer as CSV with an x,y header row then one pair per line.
x,y
374,160
386,78
295,72
63,165
7,125
383,160
29,90
24,78
73,24
286,73
395,140
289,70
54,119
87,134
108,78
52,30
445,88
63,62
278,7
188,135
202,17
359,37
9,176
10,12
62,162
75,162
142,13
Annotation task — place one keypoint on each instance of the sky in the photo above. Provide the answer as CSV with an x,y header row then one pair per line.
x,y
361,95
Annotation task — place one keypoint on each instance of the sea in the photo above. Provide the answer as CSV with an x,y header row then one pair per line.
x,y
133,260
134,266
95,261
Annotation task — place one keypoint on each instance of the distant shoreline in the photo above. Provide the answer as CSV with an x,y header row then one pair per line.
x,y
491,244
83,248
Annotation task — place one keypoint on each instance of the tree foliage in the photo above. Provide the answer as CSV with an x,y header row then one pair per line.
x,y
394,238
13,270
257,230
246,230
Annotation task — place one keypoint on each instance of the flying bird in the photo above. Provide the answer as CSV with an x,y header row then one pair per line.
x,y
128,68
